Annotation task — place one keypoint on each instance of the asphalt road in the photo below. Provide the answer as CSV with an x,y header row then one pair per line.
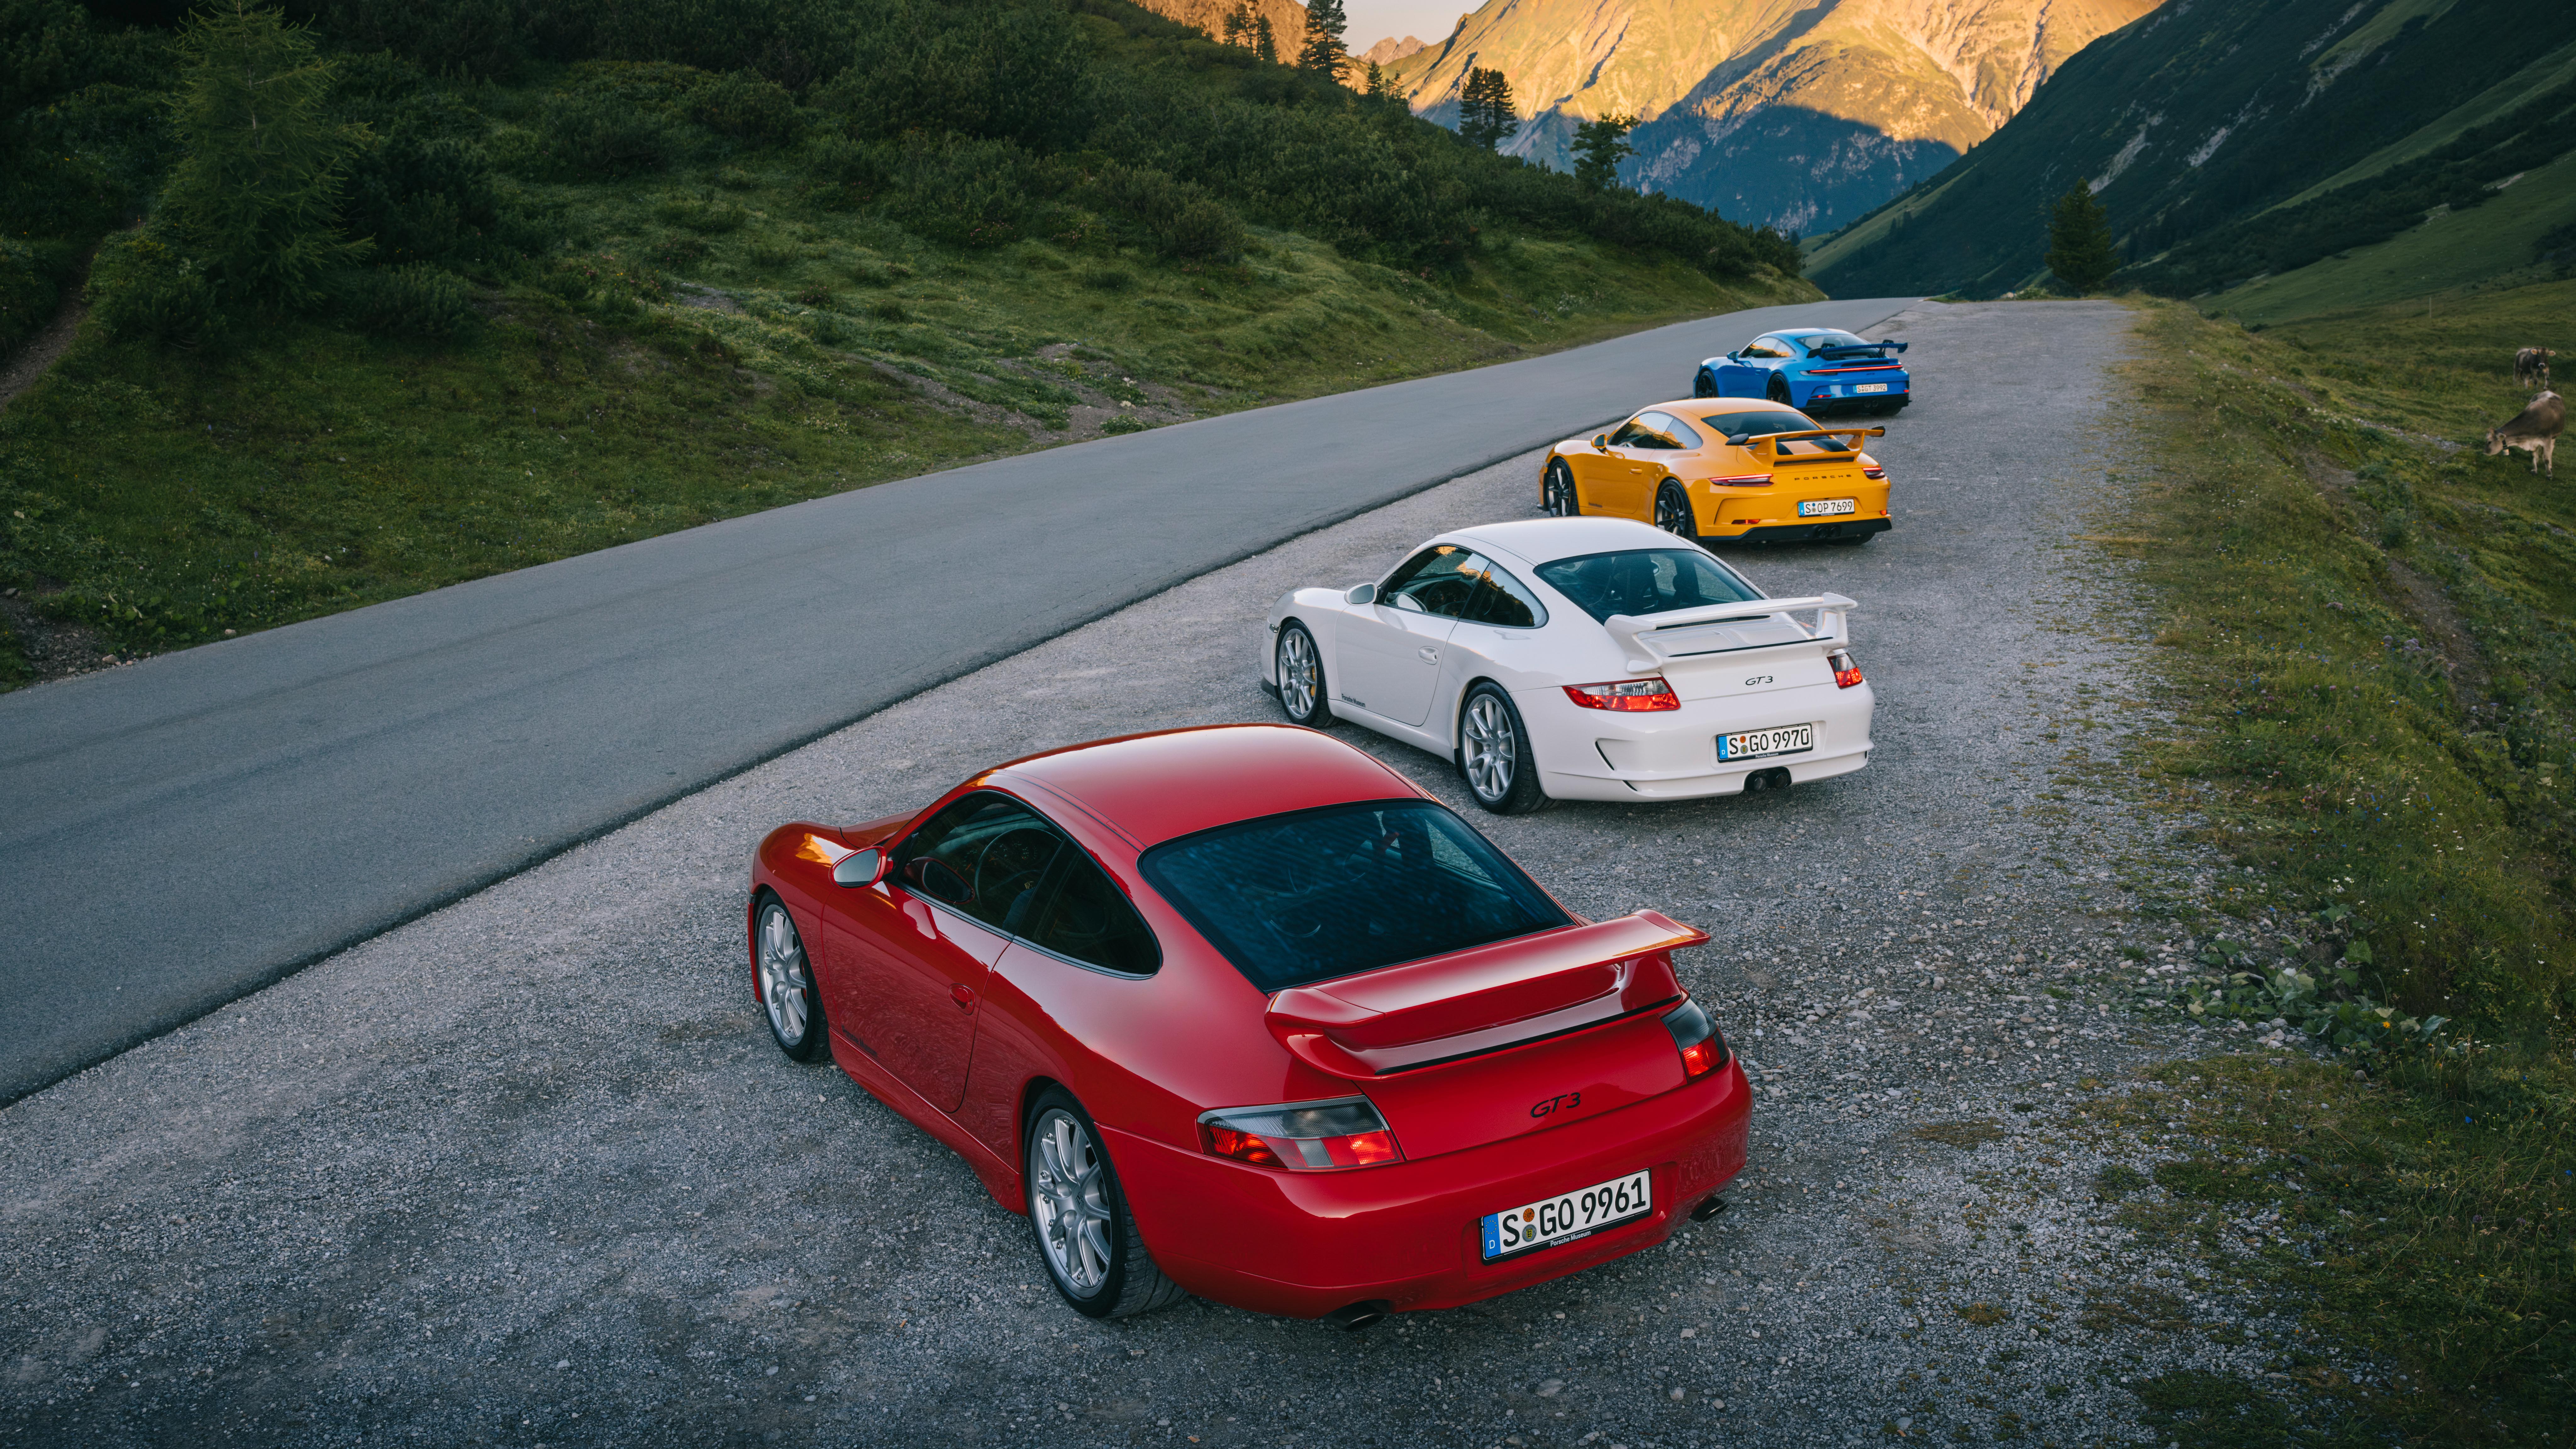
x,y
527,1171
177,833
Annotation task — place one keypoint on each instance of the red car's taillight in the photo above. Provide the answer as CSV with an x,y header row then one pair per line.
x,y
1703,1050
1873,471
1624,694
1743,480
1302,1136
1846,672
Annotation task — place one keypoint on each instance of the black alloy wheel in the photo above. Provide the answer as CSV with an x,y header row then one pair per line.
x,y
1703,385
1557,499
1085,1236
1779,390
1673,511
1494,753
1301,678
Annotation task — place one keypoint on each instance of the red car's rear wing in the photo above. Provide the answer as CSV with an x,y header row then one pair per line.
x,y
1482,999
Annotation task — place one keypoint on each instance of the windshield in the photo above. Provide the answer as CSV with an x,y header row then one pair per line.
x,y
1739,426
1818,341
1645,581
1317,894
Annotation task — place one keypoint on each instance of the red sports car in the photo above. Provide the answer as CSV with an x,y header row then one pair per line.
x,y
1242,1012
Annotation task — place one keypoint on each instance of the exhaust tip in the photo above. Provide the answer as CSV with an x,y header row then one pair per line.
x,y
1352,1317
1708,1209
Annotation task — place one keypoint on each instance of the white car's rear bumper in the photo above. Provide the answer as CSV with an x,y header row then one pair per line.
x,y
1593,754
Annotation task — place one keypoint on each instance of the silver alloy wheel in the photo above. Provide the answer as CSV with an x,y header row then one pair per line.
x,y
1069,1197
785,983
1300,678
1560,493
1492,749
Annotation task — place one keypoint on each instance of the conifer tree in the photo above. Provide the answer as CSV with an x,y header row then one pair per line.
x,y
1325,50
2080,249
1238,24
1264,43
256,197
1485,113
1376,84
1599,146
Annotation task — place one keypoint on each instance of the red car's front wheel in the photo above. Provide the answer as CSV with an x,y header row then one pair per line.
x,y
1084,1233
786,981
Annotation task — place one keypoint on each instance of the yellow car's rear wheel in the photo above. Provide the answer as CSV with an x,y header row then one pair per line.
x,y
1673,513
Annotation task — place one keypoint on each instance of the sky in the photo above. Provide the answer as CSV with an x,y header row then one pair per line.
x,y
1429,20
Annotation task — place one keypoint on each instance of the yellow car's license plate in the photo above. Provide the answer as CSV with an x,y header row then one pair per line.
x,y
1825,507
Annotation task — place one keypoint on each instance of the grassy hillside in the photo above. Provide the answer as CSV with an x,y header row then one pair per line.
x,y
2369,633
606,298
2195,122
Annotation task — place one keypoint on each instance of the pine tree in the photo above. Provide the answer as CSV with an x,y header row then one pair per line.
x,y
2080,249
1375,84
1599,146
1238,24
256,197
1325,50
1264,43
1485,112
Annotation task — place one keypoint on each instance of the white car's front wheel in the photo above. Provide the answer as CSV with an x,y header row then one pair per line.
x,y
1494,753
1301,678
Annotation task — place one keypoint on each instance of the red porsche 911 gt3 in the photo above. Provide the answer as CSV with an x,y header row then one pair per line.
x,y
1241,1012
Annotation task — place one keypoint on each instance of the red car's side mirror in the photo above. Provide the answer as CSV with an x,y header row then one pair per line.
x,y
860,868
937,880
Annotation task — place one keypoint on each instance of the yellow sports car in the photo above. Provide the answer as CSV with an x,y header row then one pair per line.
x,y
1724,468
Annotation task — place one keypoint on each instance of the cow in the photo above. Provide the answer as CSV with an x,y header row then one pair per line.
x,y
2535,432
2531,366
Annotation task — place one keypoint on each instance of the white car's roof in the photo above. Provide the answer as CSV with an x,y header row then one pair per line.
x,y
1545,540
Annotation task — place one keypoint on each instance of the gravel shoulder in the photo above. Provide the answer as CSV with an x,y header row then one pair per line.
x,y
527,1170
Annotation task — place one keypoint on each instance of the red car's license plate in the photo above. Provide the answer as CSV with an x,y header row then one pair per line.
x,y
1536,1225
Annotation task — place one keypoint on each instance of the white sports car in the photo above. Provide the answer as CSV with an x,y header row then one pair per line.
x,y
1582,659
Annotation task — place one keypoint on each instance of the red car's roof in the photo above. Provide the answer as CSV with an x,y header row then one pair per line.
x,y
1158,786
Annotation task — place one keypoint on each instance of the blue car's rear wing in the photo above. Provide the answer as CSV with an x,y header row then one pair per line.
x,y
1867,349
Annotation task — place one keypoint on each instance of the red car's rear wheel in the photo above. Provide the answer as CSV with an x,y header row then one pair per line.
x,y
1085,1236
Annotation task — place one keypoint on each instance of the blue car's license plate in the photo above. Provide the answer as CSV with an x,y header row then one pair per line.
x,y
1869,387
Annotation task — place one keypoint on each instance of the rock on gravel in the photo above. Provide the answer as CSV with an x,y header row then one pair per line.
x,y
528,1171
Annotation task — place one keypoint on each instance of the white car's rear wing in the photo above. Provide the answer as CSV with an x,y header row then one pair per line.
x,y
1649,640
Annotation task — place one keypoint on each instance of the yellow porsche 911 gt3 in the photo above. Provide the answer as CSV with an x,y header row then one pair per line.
x,y
1724,468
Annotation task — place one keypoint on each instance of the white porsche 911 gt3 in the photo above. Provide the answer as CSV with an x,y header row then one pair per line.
x,y
1579,658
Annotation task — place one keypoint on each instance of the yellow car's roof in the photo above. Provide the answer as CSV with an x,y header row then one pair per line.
x,y
1702,407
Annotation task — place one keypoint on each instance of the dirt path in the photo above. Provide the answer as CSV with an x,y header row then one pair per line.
x,y
528,1170
46,348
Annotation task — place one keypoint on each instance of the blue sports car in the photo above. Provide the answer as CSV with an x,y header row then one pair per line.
x,y
1816,370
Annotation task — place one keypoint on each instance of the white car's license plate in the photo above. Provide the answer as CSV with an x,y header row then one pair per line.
x,y
1787,740
1820,507
1536,1225
1869,387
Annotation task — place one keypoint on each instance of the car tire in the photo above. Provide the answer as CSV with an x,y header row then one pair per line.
x,y
1085,1236
1778,391
1494,755
1299,666
784,976
1703,384
1556,497
1673,512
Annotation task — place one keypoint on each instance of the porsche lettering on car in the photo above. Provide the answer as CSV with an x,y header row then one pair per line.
x,y
1579,658
1815,369
1724,470
1241,1012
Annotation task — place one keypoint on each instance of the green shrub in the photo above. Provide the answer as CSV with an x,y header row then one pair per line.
x,y
747,108
142,289
589,134
679,253
28,294
1177,218
1107,279
410,301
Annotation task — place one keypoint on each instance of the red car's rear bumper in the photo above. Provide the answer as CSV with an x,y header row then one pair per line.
x,y
1306,1243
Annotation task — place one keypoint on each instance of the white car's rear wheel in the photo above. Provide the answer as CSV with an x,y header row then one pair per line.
x,y
1494,753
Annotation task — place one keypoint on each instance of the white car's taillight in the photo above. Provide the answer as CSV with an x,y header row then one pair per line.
x,y
1625,694
1846,670
1302,1136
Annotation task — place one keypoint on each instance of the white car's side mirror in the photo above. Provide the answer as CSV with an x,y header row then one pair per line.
x,y
1361,594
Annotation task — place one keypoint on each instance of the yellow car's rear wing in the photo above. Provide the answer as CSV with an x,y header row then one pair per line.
x,y
1766,446
1652,640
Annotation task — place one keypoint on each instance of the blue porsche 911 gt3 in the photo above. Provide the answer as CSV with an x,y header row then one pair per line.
x,y
1816,370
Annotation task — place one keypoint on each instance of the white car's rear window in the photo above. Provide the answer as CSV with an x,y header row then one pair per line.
x,y
1645,581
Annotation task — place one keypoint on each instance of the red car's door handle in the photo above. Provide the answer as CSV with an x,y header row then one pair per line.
x,y
962,994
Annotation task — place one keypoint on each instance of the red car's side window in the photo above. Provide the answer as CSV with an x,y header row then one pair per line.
x,y
1000,862
1089,919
